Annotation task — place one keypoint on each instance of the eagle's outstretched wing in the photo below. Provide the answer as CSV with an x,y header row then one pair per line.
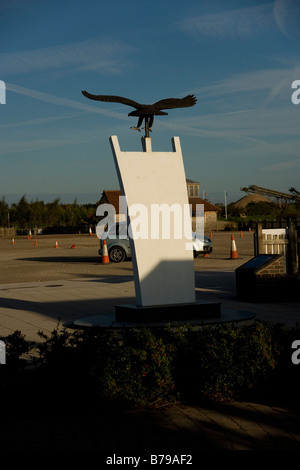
x,y
170,103
111,98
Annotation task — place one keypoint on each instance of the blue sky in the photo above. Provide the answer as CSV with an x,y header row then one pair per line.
x,y
238,57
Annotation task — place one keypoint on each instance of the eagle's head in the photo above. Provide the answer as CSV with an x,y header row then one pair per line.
x,y
134,113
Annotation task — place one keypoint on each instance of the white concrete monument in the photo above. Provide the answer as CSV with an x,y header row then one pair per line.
x,y
161,250
161,247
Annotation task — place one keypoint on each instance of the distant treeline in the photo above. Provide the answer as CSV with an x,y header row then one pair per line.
x,y
26,215
55,215
262,211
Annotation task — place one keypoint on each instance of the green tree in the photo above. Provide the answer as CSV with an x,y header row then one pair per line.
x,y
21,213
292,210
37,209
53,213
4,213
263,209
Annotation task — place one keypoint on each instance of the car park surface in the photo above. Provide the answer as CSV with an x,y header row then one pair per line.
x,y
69,283
26,262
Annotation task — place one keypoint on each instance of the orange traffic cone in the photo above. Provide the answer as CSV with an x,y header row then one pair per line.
x,y
13,241
105,257
242,234
233,253
56,244
210,234
91,233
35,243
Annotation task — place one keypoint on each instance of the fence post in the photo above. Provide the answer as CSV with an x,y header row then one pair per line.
x,y
298,244
258,239
292,249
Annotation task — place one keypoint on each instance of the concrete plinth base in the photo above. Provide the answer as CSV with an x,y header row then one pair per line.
x,y
109,321
162,313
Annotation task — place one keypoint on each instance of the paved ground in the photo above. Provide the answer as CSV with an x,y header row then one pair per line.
x,y
177,430
41,284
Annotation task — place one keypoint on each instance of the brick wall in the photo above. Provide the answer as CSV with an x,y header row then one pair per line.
x,y
7,232
272,289
275,268
268,283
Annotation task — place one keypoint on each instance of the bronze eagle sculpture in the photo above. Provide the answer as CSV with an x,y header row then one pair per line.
x,y
146,111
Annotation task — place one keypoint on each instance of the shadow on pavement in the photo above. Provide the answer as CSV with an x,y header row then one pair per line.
x,y
64,259
176,429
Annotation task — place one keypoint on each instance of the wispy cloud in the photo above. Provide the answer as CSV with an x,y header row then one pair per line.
x,y
109,57
282,166
251,110
241,23
40,121
248,128
266,91
29,145
38,95
252,81
46,139
68,137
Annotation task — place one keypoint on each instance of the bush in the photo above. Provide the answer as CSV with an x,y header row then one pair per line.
x,y
225,362
16,346
140,370
145,367
134,367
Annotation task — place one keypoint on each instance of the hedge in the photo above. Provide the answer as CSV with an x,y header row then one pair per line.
x,y
153,367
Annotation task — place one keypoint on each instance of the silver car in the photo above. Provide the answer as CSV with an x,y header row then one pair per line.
x,y
118,245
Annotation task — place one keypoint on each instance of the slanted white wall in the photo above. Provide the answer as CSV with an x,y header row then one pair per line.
x,y
163,268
